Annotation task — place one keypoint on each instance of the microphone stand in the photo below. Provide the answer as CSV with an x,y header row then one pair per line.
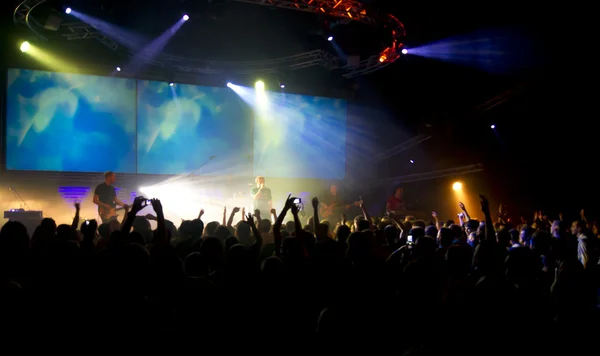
x,y
18,196
203,164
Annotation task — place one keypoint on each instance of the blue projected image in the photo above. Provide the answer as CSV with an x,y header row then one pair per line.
x,y
298,136
69,122
181,127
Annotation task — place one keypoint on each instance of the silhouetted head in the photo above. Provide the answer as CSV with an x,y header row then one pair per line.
x,y
211,228
222,233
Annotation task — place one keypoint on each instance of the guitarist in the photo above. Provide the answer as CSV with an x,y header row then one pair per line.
x,y
105,197
331,204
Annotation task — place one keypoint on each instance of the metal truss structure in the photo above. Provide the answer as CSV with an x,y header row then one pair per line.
x,y
418,177
346,9
410,143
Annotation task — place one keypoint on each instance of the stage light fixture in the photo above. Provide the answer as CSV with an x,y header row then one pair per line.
x,y
457,186
404,51
68,10
186,17
25,46
171,84
282,86
118,69
229,85
260,85
330,38
411,161
493,127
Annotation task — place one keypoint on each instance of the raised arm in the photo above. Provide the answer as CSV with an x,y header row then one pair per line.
x,y
464,209
161,228
232,215
75,222
278,224
434,216
366,213
254,250
315,204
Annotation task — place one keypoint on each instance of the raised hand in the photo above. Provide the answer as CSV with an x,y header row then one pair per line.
x,y
249,220
78,206
257,213
485,204
462,206
244,211
294,209
138,204
434,215
289,202
157,206
315,202
235,210
201,212
273,212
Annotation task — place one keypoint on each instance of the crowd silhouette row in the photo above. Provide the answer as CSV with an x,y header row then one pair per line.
x,y
427,283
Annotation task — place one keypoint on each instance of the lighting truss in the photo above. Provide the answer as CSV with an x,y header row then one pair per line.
x,y
347,9
83,31
418,177
403,147
22,12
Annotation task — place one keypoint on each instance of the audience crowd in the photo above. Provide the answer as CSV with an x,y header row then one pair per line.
x,y
424,286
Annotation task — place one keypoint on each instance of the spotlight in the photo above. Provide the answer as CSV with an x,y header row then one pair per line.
x,y
118,69
411,161
171,84
68,10
229,85
493,127
25,46
457,186
282,86
404,51
330,38
186,17
260,85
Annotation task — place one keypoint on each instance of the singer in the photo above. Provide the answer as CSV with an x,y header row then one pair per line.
x,y
261,197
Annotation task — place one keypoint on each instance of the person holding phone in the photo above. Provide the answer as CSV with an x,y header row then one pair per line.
x,y
261,197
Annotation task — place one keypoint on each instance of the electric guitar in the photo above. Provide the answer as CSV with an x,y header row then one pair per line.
x,y
107,214
327,211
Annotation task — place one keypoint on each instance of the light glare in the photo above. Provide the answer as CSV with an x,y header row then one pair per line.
x,y
118,69
229,85
282,86
493,127
260,85
25,46
457,186
186,17
404,51
68,10
330,38
171,84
